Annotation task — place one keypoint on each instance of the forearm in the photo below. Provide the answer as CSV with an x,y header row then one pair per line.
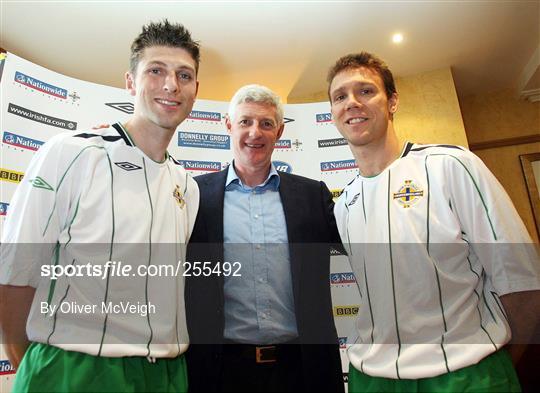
x,y
523,311
15,305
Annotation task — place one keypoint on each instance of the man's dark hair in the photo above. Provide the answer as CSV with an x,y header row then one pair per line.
x,y
367,60
164,34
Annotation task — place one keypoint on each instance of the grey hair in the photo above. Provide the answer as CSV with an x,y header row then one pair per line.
x,y
259,95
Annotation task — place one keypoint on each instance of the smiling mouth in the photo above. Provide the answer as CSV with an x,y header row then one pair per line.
x,y
167,102
357,120
254,146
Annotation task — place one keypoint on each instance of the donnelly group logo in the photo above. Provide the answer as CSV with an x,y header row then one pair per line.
x,y
41,86
23,142
329,166
207,166
206,116
3,208
204,140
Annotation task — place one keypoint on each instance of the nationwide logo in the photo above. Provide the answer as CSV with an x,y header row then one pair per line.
x,y
408,194
323,118
126,107
6,368
40,85
282,166
3,208
332,142
41,118
23,142
336,193
11,176
208,166
204,140
284,144
346,311
329,166
342,278
342,342
206,116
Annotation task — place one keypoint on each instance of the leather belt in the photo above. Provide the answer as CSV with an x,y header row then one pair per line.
x,y
256,353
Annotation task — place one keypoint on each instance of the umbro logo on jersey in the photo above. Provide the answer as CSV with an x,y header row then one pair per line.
x,y
126,107
353,201
408,194
38,182
127,166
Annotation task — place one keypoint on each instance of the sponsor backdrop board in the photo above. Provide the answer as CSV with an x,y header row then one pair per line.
x,y
37,103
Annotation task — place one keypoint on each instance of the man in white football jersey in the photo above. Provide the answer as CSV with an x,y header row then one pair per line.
x,y
444,264
96,217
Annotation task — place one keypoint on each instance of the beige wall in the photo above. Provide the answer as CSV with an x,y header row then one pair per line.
x,y
501,115
428,108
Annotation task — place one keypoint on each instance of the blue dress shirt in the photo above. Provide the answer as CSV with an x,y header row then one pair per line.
x,y
259,305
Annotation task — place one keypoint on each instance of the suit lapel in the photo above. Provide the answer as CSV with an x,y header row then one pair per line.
x,y
290,200
214,195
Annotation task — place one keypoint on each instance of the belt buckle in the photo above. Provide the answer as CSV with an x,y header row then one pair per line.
x,y
265,354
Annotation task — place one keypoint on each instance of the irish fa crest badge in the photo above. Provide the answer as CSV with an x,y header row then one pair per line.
x,y
408,194
177,194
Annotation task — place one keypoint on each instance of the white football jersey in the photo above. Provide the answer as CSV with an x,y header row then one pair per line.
x,y
433,240
94,201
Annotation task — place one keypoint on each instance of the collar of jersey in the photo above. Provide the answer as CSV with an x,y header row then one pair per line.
x,y
404,151
132,142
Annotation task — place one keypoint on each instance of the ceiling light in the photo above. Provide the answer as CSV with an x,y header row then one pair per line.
x,y
397,38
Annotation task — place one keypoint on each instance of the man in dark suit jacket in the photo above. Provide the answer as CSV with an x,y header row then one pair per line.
x,y
272,328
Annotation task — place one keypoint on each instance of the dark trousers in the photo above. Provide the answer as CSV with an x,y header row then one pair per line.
x,y
277,369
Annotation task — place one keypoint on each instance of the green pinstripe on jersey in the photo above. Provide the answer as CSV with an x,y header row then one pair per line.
x,y
73,219
149,253
392,271
62,180
111,249
435,266
53,282
477,189
57,308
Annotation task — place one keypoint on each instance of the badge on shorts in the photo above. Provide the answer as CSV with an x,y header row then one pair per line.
x,y
409,194
177,194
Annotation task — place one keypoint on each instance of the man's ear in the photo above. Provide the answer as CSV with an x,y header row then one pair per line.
x,y
228,123
130,83
393,102
280,131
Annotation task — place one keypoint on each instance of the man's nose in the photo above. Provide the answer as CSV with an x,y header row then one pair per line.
x,y
171,83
